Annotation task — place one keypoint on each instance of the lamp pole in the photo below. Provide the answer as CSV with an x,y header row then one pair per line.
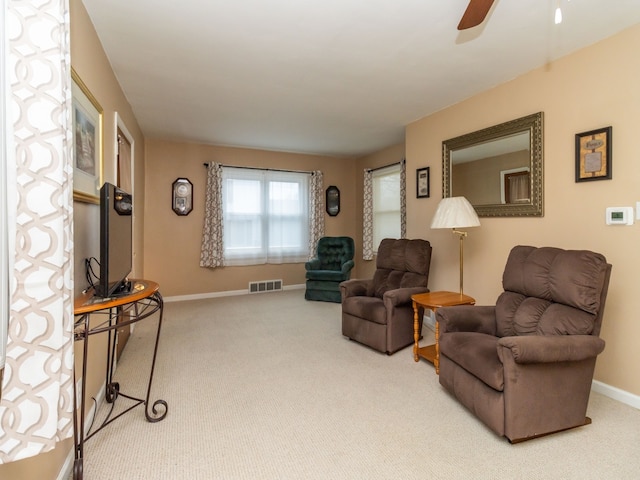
x,y
461,234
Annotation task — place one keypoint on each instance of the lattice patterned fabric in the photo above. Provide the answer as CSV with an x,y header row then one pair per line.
x,y
36,410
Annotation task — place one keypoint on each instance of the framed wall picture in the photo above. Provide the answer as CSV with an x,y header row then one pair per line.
x,y
422,182
182,196
593,155
332,200
87,142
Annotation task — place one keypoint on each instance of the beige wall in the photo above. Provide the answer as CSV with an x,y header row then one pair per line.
x,y
172,242
593,88
92,65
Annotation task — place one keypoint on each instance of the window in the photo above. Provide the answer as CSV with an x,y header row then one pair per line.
x,y
386,204
266,216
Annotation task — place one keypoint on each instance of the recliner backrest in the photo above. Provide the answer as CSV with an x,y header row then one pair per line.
x,y
551,291
400,264
333,252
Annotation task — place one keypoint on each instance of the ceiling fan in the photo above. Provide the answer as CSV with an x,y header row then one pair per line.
x,y
475,13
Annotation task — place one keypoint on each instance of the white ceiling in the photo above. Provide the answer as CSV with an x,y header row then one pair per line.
x,y
334,77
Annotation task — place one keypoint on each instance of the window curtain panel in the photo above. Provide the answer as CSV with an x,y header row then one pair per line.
x,y
212,247
367,213
316,209
403,199
519,189
367,217
36,410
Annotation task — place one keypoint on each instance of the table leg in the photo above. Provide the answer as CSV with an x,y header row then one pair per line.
x,y
416,331
436,360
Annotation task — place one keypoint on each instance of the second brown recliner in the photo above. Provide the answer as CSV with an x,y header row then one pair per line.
x,y
378,312
524,366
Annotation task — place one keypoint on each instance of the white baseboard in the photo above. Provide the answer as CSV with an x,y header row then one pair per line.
x,y
617,394
227,293
67,469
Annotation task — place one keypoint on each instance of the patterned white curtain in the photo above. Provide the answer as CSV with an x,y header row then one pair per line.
x,y
7,190
316,208
212,248
367,217
36,410
403,199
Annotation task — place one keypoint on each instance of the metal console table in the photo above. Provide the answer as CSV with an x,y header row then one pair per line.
x,y
95,315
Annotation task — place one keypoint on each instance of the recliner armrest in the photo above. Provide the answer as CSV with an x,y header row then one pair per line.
x,y
550,348
467,318
355,287
401,296
313,264
347,266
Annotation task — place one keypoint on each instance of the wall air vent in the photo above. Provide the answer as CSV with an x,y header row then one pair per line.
x,y
265,286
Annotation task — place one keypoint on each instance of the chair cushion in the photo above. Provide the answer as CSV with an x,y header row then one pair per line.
x,y
327,275
401,264
541,283
477,353
332,252
369,308
520,315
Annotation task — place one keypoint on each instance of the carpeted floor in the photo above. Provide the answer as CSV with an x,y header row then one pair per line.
x,y
265,387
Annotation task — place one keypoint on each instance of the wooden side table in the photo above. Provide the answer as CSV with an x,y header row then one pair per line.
x,y
433,301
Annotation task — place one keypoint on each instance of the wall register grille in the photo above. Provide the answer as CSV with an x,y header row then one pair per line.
x,y
265,286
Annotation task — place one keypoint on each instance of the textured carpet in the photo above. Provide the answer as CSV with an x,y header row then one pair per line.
x,y
265,387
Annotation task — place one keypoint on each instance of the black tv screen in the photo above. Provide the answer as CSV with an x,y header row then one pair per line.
x,y
116,249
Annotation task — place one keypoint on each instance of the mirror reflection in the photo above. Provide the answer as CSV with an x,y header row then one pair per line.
x,y
498,169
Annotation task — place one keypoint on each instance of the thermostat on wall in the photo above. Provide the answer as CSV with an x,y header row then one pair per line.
x,y
619,216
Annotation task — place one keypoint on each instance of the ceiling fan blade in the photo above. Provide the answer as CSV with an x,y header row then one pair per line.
x,y
475,13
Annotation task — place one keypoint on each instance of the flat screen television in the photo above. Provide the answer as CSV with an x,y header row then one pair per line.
x,y
116,248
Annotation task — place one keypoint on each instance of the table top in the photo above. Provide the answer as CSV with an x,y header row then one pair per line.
x,y
442,299
88,302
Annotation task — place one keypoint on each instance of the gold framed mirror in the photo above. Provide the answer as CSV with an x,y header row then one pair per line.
x,y
498,169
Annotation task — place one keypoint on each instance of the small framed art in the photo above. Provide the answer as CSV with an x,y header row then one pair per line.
x,y
182,196
87,142
593,155
422,182
332,200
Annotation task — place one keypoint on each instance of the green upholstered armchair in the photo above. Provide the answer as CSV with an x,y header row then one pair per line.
x,y
331,265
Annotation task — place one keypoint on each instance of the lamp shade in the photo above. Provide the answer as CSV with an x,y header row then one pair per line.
x,y
455,212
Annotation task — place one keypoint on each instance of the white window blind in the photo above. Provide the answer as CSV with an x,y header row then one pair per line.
x,y
266,216
386,204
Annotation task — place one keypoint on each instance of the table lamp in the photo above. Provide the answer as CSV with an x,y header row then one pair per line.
x,y
456,213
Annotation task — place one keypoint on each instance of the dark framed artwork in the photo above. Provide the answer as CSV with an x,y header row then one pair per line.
x,y
593,155
332,200
182,196
422,182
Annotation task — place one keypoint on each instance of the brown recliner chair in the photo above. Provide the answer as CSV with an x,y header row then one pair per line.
x,y
378,312
525,366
